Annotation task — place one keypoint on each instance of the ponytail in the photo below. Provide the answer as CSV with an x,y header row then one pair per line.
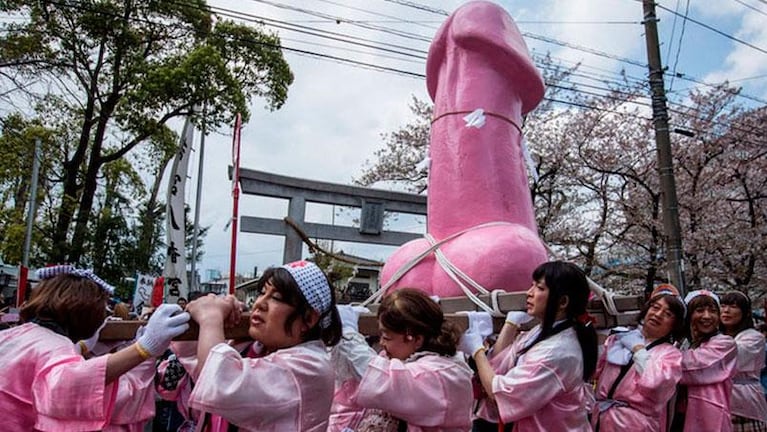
x,y
587,338
567,279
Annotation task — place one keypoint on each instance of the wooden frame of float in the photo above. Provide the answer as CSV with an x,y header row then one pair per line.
x,y
628,312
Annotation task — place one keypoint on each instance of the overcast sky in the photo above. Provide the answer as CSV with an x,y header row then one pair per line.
x,y
335,114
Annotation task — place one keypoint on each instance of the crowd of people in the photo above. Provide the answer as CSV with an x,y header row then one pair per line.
x,y
691,364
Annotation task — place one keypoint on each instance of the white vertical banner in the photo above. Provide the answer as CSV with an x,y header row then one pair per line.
x,y
142,296
175,260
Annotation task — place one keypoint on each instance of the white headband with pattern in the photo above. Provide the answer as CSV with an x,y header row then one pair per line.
x,y
313,285
52,271
692,294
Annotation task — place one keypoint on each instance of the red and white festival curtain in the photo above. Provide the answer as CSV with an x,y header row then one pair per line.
x,y
142,295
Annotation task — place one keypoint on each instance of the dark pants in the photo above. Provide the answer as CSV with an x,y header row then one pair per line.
x,y
486,426
167,417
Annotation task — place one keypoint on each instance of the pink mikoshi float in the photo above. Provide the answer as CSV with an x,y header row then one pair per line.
x,y
482,234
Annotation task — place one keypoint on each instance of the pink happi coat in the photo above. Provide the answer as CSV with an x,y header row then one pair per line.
x,y
290,389
429,391
350,359
707,372
641,397
747,393
135,405
48,386
543,390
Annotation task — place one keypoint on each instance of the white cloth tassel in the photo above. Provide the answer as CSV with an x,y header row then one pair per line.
x,y
424,165
529,160
475,119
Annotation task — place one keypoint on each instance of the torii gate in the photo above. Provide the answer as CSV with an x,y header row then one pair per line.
x,y
373,202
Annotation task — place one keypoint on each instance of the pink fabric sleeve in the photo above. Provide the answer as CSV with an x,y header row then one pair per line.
x,y
710,363
70,393
750,346
135,395
186,352
526,388
662,373
415,391
253,393
351,356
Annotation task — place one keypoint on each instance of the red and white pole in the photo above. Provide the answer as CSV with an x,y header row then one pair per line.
x,y
236,198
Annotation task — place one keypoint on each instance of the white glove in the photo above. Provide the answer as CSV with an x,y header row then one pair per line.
x,y
518,318
471,342
86,345
480,322
631,339
167,322
350,316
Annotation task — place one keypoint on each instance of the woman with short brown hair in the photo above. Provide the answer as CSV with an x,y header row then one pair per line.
x,y
47,383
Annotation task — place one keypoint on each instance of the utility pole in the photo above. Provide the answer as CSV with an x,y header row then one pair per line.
x,y
194,285
32,203
674,252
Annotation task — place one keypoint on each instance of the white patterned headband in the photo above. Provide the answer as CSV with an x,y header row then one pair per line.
x,y
49,272
313,285
692,294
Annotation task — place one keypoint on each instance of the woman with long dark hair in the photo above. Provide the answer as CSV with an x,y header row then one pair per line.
x,y
538,380
708,365
748,406
639,369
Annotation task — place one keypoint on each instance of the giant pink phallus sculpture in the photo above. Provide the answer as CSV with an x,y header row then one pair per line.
x,y
480,218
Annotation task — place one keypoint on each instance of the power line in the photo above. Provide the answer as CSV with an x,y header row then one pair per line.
x,y
584,49
592,51
750,7
336,47
372,66
713,29
673,31
402,34
533,36
284,25
377,14
419,6
679,45
239,15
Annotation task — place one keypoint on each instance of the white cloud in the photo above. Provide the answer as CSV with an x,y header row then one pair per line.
x,y
743,61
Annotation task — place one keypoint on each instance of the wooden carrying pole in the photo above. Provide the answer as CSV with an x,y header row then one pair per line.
x,y
628,312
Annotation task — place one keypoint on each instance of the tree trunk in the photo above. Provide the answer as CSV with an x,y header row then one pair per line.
x,y
90,183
